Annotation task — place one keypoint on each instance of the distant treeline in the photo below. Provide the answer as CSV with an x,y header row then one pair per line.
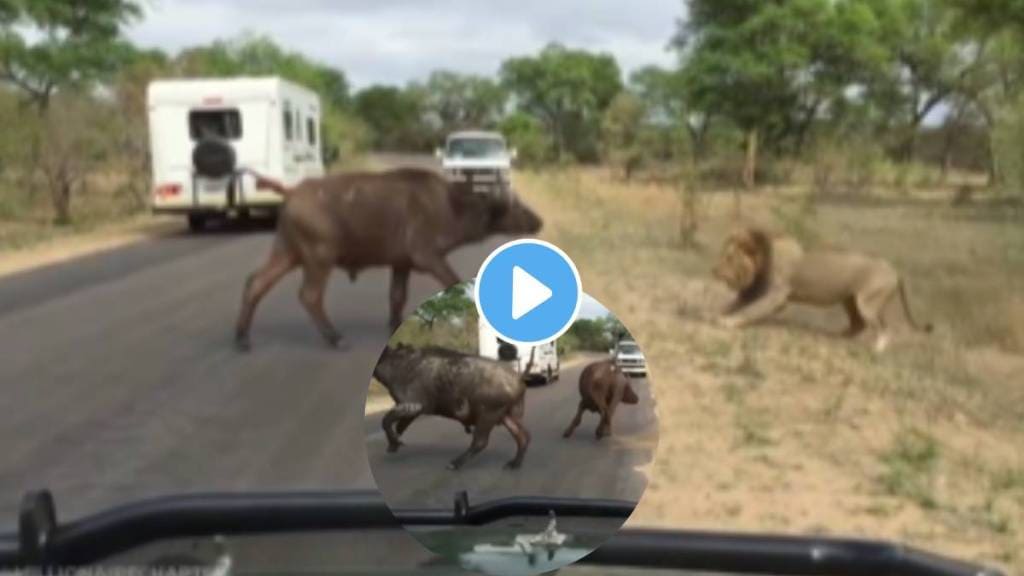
x,y
899,81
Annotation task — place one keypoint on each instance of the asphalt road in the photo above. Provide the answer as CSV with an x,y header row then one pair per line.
x,y
119,381
581,466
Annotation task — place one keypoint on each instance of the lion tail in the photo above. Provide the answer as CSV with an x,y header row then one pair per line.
x,y
927,327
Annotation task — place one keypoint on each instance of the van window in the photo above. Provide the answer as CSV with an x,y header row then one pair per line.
x,y
311,131
226,124
287,122
298,125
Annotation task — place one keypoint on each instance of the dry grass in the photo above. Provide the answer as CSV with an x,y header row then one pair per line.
x,y
26,216
786,427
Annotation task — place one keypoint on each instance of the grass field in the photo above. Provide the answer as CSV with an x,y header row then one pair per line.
x,y
786,427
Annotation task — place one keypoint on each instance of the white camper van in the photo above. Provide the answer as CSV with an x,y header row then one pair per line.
x,y
205,132
545,356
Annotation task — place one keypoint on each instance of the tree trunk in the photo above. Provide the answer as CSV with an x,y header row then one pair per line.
x,y
61,195
993,160
750,165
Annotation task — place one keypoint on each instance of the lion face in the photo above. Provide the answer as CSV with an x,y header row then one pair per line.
x,y
739,262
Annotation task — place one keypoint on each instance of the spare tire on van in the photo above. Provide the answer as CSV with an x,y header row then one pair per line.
x,y
213,158
507,351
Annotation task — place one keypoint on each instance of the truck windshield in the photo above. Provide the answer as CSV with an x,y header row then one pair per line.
x,y
476,148
629,349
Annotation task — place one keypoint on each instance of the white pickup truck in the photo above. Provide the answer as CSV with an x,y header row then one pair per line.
x,y
629,358
481,158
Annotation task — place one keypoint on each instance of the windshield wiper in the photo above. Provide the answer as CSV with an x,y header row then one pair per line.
x,y
44,543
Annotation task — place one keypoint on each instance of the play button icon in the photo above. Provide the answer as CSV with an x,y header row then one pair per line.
x,y
528,291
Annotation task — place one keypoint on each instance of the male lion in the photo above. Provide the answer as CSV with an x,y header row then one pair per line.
x,y
768,272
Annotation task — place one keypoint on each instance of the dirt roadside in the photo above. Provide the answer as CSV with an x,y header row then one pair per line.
x,y
77,245
787,428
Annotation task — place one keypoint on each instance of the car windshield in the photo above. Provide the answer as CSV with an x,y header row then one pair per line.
x,y
631,349
476,148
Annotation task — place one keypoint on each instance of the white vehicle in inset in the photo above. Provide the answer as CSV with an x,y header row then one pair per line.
x,y
545,356
204,133
481,158
629,358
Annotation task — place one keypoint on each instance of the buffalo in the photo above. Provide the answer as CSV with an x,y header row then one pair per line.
x,y
406,219
602,387
479,393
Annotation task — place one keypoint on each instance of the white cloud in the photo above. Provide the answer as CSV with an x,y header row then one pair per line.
x,y
396,41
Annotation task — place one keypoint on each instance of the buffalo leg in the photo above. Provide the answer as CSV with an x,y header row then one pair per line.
x,y
314,283
399,293
402,413
608,414
403,424
575,421
257,286
481,435
601,407
522,438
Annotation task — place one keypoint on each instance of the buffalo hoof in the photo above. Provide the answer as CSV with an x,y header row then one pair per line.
x,y
392,448
453,466
513,465
337,343
242,344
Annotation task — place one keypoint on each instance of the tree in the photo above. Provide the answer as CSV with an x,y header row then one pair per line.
x,y
527,135
75,44
130,136
455,101
453,303
589,334
623,133
992,16
395,118
256,55
568,91
664,96
742,60
993,90
772,68
929,64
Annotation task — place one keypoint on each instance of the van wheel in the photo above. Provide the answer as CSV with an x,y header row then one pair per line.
x,y
196,222
550,377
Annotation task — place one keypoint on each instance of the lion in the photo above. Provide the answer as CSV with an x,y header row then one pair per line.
x,y
767,272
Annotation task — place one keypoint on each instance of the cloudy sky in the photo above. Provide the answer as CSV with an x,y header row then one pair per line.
x,y
394,41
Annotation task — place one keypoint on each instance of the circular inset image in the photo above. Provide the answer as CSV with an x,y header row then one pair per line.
x,y
506,458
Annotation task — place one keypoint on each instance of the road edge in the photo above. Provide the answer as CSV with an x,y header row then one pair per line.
x,y
73,246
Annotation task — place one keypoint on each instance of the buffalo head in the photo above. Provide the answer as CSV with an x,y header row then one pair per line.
x,y
512,216
500,211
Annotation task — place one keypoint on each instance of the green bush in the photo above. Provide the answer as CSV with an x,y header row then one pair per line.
x,y
1008,148
527,135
